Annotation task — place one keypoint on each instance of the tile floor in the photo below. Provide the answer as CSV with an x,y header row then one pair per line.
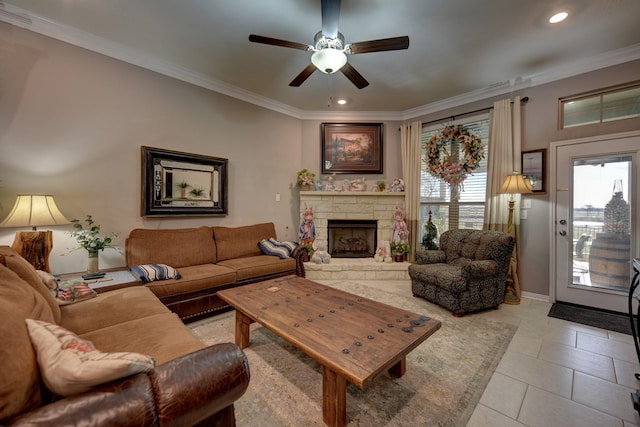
x,y
555,373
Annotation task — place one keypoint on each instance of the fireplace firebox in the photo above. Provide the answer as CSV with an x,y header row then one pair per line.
x,y
352,238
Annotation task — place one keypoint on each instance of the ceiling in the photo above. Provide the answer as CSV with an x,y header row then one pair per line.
x,y
459,49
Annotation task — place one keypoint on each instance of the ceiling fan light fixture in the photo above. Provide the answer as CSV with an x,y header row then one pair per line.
x,y
329,60
558,17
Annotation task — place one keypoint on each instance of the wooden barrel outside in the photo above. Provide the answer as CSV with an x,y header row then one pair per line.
x,y
610,260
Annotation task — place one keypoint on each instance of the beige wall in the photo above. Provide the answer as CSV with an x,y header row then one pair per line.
x,y
72,123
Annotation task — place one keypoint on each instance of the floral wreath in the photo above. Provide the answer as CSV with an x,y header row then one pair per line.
x,y
454,172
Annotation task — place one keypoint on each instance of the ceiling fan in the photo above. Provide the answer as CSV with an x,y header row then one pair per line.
x,y
330,50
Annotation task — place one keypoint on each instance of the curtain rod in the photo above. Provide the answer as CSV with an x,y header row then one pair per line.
x,y
468,113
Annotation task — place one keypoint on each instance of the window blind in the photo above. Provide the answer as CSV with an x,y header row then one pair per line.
x,y
454,208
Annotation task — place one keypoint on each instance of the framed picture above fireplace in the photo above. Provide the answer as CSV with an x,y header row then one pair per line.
x,y
351,148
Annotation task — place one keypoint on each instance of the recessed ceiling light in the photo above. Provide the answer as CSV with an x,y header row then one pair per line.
x,y
342,101
558,17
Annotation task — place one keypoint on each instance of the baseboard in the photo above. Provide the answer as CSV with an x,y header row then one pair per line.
x,y
538,297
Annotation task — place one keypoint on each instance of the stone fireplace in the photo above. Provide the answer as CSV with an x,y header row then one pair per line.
x,y
352,238
377,207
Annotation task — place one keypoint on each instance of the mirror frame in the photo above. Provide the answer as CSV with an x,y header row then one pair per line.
x,y
158,168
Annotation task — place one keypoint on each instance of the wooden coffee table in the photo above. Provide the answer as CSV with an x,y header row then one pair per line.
x,y
352,337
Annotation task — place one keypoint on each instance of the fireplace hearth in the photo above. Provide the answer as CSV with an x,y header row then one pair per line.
x,y
349,238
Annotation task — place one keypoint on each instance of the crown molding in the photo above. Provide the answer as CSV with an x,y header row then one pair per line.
x,y
24,19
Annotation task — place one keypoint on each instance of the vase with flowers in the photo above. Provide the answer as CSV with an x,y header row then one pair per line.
x,y
87,234
305,180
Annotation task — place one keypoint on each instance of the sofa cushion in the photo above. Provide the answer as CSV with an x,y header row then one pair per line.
x,y
151,272
29,274
19,374
15,290
70,365
451,278
174,247
237,242
111,308
194,278
269,248
261,265
162,336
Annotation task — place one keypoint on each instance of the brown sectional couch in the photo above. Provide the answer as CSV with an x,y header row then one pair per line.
x,y
191,384
209,259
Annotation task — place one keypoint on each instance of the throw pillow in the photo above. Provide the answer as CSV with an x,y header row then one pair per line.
x,y
71,365
71,291
289,245
268,248
151,272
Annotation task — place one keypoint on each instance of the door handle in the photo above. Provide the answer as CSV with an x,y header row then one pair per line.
x,y
563,221
562,233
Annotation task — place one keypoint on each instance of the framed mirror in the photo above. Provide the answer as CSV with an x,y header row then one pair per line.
x,y
177,183
534,167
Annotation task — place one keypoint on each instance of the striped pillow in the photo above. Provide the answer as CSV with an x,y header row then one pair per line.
x,y
268,248
151,272
289,245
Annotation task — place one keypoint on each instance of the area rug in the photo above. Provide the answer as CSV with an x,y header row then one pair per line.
x,y
592,317
445,378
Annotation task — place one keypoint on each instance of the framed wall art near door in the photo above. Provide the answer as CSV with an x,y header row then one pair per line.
x,y
177,183
351,148
533,167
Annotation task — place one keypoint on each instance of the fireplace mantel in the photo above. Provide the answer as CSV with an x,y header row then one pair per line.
x,y
353,193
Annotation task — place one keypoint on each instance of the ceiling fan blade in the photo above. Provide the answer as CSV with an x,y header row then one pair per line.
x,y
277,42
353,75
330,17
393,43
304,75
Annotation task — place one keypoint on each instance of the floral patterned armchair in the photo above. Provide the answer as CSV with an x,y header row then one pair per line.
x,y
468,273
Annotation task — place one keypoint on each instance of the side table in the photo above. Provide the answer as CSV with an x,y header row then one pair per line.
x,y
115,278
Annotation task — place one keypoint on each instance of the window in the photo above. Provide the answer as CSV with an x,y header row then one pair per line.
x,y
454,208
617,103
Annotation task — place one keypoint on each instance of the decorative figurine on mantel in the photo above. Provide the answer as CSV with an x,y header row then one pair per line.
x,y
331,186
359,185
397,185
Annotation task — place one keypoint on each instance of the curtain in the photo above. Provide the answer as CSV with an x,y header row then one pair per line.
x,y
505,146
410,141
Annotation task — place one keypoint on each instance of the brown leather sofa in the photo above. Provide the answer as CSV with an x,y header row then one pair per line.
x,y
191,385
209,259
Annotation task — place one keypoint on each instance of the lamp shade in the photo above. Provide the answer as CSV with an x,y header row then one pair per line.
x,y
329,60
516,184
34,211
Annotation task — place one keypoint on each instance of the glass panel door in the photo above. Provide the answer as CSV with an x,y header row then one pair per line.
x,y
595,205
601,232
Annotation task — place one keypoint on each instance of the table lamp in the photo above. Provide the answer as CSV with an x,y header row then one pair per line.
x,y
34,211
515,184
